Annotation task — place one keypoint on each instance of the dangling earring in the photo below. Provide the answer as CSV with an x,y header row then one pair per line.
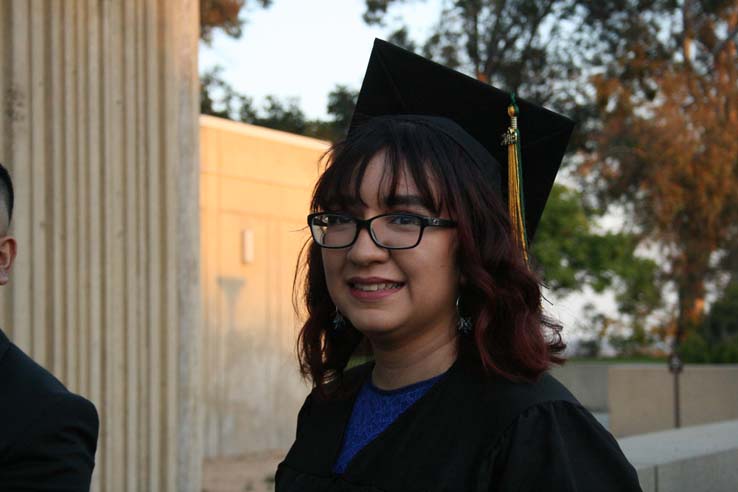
x,y
464,324
338,321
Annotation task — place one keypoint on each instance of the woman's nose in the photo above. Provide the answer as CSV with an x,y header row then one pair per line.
x,y
364,250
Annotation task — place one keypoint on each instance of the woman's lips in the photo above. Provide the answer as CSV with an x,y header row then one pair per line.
x,y
374,290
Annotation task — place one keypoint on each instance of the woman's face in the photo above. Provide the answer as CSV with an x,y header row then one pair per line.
x,y
420,284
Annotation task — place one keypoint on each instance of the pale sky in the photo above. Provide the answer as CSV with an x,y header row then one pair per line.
x,y
304,48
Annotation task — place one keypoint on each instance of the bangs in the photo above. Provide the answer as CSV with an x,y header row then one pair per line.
x,y
411,151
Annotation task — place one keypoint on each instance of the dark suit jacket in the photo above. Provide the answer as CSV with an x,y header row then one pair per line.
x,y
48,435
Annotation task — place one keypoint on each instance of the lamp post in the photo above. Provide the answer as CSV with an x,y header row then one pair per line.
x,y
675,367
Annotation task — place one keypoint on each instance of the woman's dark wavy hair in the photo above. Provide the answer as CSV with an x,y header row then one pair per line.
x,y
502,295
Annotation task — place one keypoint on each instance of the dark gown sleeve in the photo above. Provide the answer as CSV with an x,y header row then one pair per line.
x,y
559,446
57,451
302,415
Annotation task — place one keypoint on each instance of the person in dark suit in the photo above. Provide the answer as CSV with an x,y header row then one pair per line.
x,y
48,435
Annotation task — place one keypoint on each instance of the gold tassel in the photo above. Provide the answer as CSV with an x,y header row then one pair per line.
x,y
515,204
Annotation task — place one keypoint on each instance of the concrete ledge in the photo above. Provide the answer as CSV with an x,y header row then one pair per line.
x,y
691,459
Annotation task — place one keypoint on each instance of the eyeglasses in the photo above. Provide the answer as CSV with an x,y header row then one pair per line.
x,y
389,231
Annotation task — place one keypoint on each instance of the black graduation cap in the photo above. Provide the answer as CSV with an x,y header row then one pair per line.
x,y
475,114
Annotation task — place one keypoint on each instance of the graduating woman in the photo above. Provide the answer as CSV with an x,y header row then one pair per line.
x,y
419,251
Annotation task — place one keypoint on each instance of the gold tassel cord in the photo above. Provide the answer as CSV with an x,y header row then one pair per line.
x,y
515,202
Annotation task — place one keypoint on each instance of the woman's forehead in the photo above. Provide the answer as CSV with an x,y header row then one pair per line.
x,y
383,180
385,184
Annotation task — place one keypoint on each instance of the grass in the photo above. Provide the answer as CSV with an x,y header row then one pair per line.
x,y
635,359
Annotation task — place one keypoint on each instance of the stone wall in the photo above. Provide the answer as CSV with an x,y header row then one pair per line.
x,y
587,381
641,397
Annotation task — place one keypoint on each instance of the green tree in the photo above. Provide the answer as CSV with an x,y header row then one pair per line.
x,y
281,115
721,323
219,98
340,109
571,254
665,147
717,341
515,45
341,103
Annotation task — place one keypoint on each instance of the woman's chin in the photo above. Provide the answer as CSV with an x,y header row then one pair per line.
x,y
375,328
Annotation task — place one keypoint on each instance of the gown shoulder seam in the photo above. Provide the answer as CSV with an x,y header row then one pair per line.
x,y
514,421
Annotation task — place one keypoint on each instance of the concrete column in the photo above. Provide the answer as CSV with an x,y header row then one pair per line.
x,y
99,129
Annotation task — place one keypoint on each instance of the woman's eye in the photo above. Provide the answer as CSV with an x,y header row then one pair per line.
x,y
335,219
405,220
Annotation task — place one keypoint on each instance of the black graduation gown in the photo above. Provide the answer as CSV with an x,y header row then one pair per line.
x,y
48,435
469,432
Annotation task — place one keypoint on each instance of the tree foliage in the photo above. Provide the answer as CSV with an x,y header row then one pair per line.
x,y
341,103
666,147
572,255
514,45
219,98
224,15
718,340
721,323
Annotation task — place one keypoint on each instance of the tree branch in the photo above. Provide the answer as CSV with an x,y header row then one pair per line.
x,y
492,55
525,53
732,35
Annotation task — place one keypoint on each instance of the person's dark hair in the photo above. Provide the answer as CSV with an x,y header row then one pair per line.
x,y
511,335
6,191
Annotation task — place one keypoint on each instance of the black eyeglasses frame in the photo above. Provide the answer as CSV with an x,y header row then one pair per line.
x,y
366,224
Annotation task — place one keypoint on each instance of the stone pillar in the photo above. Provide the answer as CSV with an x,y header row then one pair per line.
x,y
98,127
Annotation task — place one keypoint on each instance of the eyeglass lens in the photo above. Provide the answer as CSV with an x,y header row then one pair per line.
x,y
389,231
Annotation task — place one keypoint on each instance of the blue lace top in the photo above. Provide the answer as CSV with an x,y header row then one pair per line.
x,y
374,411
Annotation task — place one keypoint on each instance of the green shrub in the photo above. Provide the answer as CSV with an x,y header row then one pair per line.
x,y
695,350
725,352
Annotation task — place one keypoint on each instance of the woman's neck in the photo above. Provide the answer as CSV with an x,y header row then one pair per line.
x,y
399,366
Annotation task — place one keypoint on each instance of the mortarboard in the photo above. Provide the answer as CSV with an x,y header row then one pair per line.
x,y
474,114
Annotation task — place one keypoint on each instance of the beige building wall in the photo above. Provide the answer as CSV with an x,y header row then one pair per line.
x,y
98,126
255,192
